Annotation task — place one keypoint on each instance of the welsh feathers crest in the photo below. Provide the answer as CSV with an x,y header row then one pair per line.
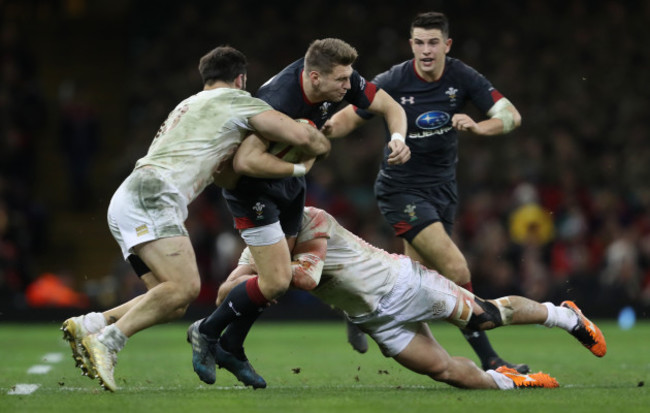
x,y
451,92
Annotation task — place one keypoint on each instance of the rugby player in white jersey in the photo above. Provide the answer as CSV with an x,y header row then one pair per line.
x,y
391,298
192,149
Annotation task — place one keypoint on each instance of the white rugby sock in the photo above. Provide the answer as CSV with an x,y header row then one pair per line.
x,y
113,338
93,322
560,317
503,382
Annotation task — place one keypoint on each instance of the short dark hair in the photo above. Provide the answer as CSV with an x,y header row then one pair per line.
x,y
431,20
324,54
223,63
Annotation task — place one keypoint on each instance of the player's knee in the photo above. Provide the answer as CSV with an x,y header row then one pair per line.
x,y
178,313
274,287
188,291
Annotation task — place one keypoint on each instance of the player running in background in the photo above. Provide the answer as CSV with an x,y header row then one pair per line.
x,y
192,149
392,297
419,199
266,211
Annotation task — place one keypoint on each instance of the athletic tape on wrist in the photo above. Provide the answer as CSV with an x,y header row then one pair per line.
x,y
299,169
397,137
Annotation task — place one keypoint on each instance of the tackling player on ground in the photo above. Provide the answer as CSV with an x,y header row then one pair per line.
x,y
392,297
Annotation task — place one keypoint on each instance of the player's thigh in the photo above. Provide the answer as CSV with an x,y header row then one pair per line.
x,y
438,251
424,354
170,259
410,251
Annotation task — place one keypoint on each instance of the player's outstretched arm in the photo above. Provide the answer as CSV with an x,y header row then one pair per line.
x,y
252,159
395,118
308,261
240,274
306,267
278,127
503,118
342,123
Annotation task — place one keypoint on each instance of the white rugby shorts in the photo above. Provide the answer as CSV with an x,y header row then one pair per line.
x,y
145,208
419,295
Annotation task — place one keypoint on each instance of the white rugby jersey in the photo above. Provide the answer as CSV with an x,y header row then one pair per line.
x,y
200,134
356,275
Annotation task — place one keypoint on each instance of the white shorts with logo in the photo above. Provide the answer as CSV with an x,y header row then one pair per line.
x,y
145,208
419,295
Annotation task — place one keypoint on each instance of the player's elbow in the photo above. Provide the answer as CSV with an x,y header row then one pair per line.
x,y
241,166
245,164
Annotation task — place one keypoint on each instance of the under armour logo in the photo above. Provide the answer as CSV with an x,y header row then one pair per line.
x,y
405,100
237,313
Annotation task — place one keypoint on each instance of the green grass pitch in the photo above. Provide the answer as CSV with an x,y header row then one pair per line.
x,y
311,368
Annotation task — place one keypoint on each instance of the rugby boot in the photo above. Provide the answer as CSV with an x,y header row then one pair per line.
x,y
242,369
495,362
534,380
587,332
102,361
202,357
73,332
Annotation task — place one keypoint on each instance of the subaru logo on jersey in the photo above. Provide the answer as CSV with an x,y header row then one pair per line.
x,y
432,120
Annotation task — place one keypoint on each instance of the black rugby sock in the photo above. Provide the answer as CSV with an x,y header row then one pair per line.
x,y
232,340
239,303
481,345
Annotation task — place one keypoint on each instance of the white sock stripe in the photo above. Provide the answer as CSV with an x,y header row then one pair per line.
x,y
562,317
551,318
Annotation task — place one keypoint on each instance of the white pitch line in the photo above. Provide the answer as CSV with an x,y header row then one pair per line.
x,y
23,388
39,369
53,358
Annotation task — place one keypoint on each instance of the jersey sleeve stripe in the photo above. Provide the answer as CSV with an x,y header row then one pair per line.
x,y
370,91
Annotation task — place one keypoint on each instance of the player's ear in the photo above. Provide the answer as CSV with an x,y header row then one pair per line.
x,y
448,42
314,76
240,81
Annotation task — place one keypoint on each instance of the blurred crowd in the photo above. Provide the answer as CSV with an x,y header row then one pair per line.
x,y
23,220
558,209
